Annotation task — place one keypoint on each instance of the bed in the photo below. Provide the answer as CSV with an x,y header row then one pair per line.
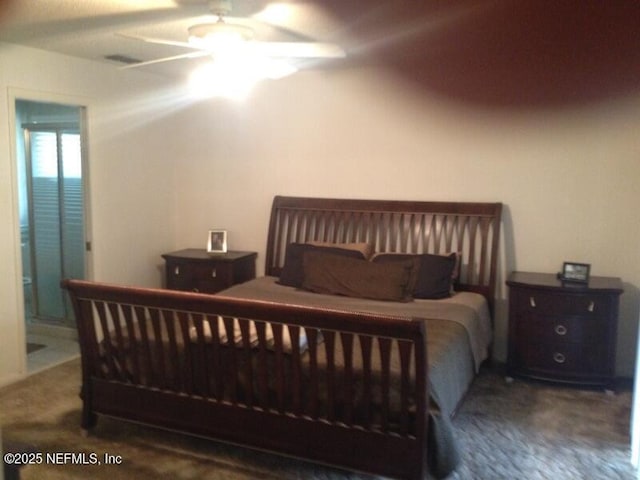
x,y
331,369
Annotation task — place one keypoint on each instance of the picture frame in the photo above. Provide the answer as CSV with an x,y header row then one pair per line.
x,y
217,241
575,272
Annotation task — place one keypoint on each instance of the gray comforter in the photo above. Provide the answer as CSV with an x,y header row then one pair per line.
x,y
458,328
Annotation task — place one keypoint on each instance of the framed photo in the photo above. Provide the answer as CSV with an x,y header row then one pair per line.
x,y
575,272
217,241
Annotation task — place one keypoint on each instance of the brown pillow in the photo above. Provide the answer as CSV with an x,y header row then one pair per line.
x,y
365,248
292,273
434,275
332,274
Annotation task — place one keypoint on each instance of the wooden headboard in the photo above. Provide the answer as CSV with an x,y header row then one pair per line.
x,y
472,229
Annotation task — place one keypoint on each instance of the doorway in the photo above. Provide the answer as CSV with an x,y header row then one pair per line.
x,y
52,190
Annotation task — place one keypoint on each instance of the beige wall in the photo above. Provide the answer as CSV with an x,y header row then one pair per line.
x,y
567,177
131,196
162,173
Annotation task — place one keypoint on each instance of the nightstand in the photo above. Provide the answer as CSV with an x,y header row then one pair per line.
x,y
563,332
195,270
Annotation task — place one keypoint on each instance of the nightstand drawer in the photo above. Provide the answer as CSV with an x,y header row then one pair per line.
x,y
213,274
178,275
211,278
196,271
566,359
546,303
568,329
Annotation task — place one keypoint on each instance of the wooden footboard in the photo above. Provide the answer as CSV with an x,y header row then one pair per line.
x,y
340,388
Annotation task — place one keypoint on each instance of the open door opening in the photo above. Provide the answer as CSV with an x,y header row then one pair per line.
x,y
52,171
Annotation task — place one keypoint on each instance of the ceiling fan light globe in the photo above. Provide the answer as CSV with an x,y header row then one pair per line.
x,y
216,80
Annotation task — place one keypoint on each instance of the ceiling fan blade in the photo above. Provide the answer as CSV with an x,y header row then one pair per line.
x,y
270,49
165,59
299,49
159,41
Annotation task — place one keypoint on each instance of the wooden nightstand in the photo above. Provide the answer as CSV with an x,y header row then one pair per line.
x,y
195,270
563,332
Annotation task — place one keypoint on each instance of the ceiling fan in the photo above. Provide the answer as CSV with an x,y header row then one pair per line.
x,y
234,37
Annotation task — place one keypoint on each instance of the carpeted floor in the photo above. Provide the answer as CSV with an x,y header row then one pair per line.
x,y
506,431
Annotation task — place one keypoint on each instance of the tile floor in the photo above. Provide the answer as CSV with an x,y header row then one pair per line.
x,y
58,350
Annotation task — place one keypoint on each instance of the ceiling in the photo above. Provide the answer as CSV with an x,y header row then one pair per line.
x,y
89,28
496,53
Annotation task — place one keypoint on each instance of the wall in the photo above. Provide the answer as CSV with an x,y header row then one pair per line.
x,y
131,199
162,173
567,175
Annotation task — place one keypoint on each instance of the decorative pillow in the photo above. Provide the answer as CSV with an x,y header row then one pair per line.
x,y
333,274
365,248
292,272
435,272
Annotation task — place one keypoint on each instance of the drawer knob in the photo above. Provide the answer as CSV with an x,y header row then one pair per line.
x,y
176,270
559,358
214,273
591,306
532,302
561,330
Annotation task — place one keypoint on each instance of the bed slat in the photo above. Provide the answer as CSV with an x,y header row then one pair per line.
x,y
127,312
296,370
329,343
189,374
385,359
174,360
347,387
366,349
313,373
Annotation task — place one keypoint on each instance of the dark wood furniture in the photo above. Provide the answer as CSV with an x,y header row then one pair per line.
x,y
470,229
146,356
564,332
195,270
